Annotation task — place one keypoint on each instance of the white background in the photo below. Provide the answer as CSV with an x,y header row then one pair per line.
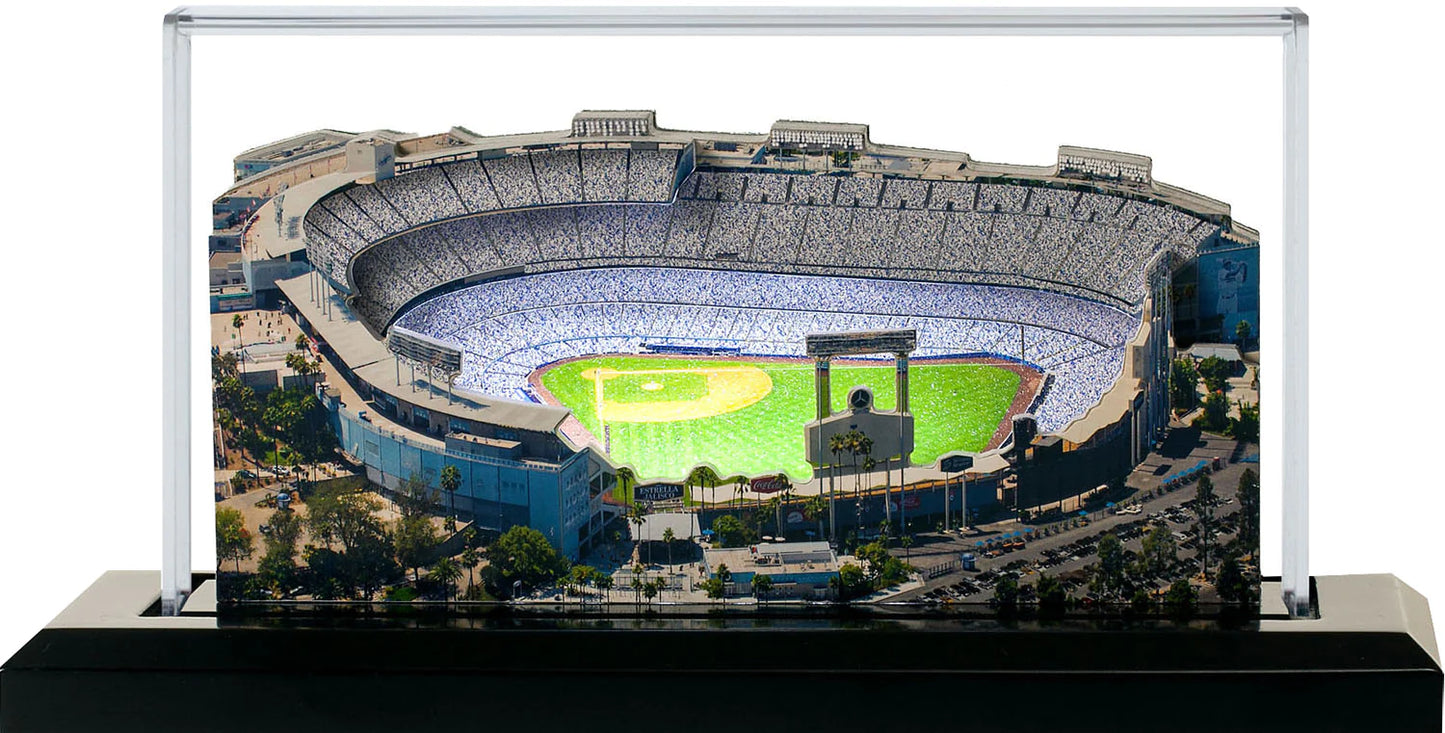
x,y
80,274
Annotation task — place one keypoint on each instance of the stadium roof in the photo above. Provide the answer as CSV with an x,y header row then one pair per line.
x,y
297,146
342,331
922,161
371,361
1227,352
463,404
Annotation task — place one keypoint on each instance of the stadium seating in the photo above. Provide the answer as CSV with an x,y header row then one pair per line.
x,y
348,221
1084,244
512,326
617,257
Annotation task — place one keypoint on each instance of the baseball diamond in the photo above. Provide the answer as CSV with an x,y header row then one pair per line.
x,y
749,415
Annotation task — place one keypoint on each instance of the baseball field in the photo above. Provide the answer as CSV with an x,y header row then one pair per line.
x,y
667,414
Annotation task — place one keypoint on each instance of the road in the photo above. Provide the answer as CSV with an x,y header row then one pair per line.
x,y
1070,549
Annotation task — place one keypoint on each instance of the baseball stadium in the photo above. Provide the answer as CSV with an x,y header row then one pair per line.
x,y
542,310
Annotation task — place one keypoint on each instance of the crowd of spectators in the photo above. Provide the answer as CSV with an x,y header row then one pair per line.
x,y
747,260
1102,257
348,221
511,326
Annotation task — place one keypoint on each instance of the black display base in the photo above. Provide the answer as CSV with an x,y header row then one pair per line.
x,y
1369,662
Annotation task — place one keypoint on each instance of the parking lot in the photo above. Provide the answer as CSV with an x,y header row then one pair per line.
x,y
1065,549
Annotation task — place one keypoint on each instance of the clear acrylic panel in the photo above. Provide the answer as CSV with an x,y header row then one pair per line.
x,y
1001,84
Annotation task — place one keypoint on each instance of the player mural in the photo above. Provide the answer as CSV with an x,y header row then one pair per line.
x,y
626,360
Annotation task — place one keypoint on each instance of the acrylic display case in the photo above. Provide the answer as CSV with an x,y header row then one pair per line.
x,y
712,345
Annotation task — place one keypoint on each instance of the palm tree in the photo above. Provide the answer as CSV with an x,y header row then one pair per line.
x,y
451,480
626,479
637,514
775,506
836,444
815,508
738,481
787,498
762,584
637,582
704,477
446,572
470,557
668,536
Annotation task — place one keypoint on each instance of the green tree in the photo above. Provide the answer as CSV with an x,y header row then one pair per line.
x,y
451,480
852,582
343,516
296,418
445,573
1183,384
1051,595
470,556
1247,538
1215,373
1216,413
785,496
729,531
713,587
739,482
837,444
1181,598
762,585
637,515
651,589
415,498
1160,552
416,542
1246,426
775,508
1113,561
524,555
236,321
370,562
1232,584
302,342
233,540
1242,332
580,577
723,573
1006,591
815,508
1142,601
1203,508
667,537
703,477
297,362
626,480
883,569
285,532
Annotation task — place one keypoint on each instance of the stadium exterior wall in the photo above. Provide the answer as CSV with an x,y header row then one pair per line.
x,y
563,501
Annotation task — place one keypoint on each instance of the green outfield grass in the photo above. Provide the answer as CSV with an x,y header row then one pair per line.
x,y
955,407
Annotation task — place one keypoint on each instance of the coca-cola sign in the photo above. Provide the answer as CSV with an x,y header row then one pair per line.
x,y
769,485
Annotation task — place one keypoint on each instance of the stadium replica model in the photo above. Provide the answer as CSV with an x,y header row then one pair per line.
x,y
623,364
